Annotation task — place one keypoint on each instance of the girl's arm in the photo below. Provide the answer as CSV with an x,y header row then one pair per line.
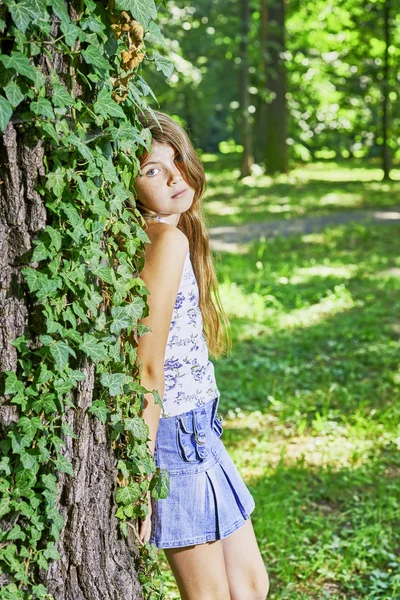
x,y
162,273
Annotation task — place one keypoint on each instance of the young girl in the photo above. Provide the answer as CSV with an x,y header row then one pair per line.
x,y
204,524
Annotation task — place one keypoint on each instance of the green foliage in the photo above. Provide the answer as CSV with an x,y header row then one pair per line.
x,y
82,275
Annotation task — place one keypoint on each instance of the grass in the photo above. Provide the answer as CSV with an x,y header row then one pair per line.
x,y
310,398
311,190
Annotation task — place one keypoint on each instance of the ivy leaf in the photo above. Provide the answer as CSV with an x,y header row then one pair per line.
x,y
4,505
21,13
78,310
20,63
5,113
40,252
51,552
163,64
135,308
42,107
61,97
100,410
93,56
61,351
32,278
107,107
56,181
90,346
141,10
64,465
30,426
128,494
14,94
121,320
61,11
55,237
137,427
160,485
28,460
113,382
13,384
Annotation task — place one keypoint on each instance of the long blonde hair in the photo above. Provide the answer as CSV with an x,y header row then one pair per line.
x,y
192,222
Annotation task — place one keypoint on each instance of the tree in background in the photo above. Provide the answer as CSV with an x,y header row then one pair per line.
x,y
75,467
244,94
334,56
275,148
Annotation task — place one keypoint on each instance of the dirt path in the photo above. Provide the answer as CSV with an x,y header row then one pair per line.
x,y
230,237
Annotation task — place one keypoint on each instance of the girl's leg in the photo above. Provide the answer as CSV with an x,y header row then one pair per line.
x,y
247,576
200,571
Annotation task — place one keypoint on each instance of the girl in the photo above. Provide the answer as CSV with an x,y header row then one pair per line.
x,y
204,524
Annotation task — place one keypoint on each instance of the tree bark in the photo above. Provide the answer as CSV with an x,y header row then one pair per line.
x,y
276,159
246,134
96,563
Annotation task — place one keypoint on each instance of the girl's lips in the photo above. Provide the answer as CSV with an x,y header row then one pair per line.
x,y
179,194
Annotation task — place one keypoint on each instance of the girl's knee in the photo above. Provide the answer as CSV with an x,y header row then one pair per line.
x,y
259,586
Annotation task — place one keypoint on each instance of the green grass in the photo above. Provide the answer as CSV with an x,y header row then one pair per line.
x,y
314,189
310,398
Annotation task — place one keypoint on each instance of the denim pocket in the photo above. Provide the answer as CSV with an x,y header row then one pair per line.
x,y
191,437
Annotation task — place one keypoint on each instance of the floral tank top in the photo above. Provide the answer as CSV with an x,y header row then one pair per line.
x,y
189,374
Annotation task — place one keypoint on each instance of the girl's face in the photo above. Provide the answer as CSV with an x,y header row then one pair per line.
x,y
161,187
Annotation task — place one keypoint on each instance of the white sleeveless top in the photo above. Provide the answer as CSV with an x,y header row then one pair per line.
x,y
189,374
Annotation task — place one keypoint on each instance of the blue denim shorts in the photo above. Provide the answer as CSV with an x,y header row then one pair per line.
x,y
208,499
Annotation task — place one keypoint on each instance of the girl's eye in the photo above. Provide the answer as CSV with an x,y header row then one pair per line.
x,y
151,172
178,158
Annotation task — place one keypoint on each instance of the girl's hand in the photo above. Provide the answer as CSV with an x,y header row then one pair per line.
x,y
145,527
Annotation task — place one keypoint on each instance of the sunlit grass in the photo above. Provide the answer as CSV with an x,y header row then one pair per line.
x,y
311,189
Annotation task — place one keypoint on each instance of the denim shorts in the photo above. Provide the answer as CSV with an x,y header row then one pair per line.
x,y
208,499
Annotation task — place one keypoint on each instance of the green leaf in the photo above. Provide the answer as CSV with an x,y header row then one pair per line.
x,y
4,506
30,425
113,382
21,13
64,465
78,310
28,460
93,56
56,181
107,107
13,384
137,427
121,320
92,348
40,252
61,351
105,273
50,130
14,94
20,63
5,113
160,485
128,494
100,410
51,552
135,308
32,278
42,107
163,64
61,11
46,340
55,237
141,10
61,97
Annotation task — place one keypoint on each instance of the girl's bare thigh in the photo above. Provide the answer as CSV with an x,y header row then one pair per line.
x,y
228,569
200,571
245,569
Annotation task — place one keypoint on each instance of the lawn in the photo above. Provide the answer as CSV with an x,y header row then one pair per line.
x,y
310,399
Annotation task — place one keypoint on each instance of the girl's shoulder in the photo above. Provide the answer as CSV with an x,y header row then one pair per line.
x,y
168,245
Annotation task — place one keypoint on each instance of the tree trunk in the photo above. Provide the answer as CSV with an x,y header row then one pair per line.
x,y
246,135
96,563
276,130
262,108
385,93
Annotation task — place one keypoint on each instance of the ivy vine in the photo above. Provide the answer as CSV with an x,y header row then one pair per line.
x,y
83,272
